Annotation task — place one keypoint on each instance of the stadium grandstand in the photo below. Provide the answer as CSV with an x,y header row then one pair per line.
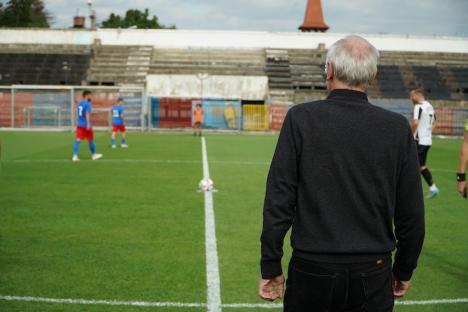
x,y
245,80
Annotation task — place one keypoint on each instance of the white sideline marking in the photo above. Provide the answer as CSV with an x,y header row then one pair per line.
x,y
212,266
150,161
198,305
432,302
106,302
405,302
253,305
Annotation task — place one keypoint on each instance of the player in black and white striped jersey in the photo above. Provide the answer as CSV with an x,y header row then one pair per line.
x,y
423,123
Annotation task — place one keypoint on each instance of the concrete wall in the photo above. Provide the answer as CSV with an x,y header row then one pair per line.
x,y
45,36
226,39
223,87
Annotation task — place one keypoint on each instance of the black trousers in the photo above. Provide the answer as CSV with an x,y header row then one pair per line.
x,y
316,287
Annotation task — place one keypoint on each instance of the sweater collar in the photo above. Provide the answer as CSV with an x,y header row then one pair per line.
x,y
348,94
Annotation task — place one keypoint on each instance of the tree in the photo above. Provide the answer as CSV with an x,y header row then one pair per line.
x,y
134,18
24,13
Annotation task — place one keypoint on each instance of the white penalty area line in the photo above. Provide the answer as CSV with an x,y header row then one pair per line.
x,y
212,265
197,305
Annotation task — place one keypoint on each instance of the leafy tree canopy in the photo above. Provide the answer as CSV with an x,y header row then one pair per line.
x,y
24,13
135,18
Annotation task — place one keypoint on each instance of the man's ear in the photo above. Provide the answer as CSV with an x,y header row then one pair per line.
x,y
330,71
374,75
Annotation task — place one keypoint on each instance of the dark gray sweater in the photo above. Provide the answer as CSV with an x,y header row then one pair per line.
x,y
345,176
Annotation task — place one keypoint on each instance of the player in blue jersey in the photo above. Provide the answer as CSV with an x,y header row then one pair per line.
x,y
118,123
84,129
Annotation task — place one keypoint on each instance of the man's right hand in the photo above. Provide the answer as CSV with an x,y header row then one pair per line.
x,y
400,288
271,289
88,127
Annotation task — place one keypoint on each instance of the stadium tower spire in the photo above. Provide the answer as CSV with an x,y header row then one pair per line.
x,y
313,20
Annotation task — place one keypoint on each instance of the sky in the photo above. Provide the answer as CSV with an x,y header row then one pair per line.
x,y
414,17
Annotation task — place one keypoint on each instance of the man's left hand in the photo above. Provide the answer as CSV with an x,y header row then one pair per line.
x,y
271,289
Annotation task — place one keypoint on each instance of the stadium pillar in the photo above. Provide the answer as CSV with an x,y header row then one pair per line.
x,y
202,77
72,108
12,113
313,19
144,105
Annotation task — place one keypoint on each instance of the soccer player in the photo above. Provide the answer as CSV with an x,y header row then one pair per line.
x,y
422,125
461,175
118,123
198,119
84,129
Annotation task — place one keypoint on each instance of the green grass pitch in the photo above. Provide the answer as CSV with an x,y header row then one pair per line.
x,y
131,227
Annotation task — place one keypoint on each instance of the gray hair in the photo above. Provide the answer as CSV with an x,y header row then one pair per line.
x,y
354,60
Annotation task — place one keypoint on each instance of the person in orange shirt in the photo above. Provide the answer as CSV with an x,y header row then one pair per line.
x,y
198,120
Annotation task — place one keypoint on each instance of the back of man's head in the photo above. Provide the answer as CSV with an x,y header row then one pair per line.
x,y
354,61
417,95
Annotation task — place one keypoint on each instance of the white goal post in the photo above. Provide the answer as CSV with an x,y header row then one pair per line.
x,y
54,107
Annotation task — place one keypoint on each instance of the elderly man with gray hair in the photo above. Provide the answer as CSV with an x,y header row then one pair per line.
x,y
345,177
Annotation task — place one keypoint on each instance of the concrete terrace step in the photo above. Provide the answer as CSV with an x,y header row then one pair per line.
x,y
106,66
45,49
120,74
211,72
120,64
171,58
278,69
207,56
203,66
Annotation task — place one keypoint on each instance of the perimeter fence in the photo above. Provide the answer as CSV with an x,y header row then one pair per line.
x,y
54,107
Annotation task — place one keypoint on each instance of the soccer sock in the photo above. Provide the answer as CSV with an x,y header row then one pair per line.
x,y
427,176
113,141
76,147
124,141
92,147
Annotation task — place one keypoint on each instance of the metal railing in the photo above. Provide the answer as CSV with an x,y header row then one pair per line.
x,y
54,107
